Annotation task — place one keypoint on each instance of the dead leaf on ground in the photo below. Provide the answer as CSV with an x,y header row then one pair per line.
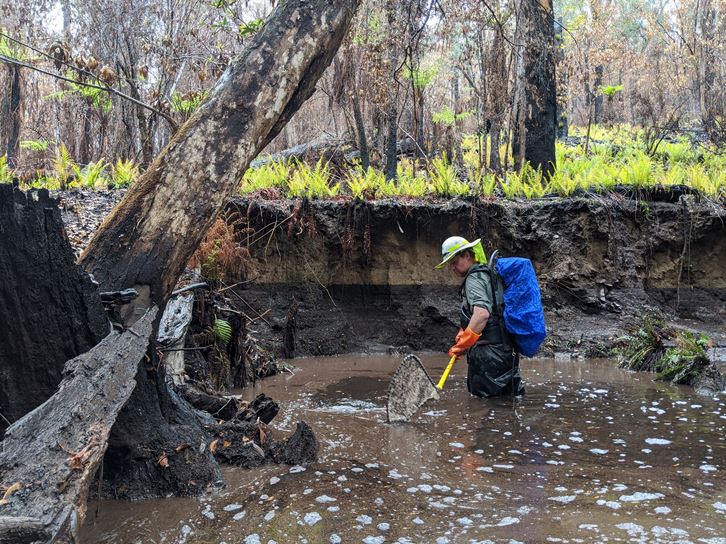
x,y
17,486
213,446
163,460
181,447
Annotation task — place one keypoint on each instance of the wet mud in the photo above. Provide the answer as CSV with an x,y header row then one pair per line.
x,y
591,454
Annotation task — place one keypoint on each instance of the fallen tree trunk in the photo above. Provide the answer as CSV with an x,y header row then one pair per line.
x,y
51,455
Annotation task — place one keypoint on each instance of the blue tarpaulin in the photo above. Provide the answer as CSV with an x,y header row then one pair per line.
x,y
523,313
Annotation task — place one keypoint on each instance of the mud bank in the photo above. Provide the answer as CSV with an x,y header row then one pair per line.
x,y
342,276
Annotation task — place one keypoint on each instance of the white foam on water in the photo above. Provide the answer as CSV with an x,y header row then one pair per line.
x,y
639,496
613,505
564,499
657,441
311,518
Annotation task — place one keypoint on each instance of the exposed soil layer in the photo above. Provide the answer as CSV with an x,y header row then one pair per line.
x,y
362,273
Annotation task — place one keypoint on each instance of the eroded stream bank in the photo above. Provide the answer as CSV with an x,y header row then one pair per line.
x,y
591,454
341,276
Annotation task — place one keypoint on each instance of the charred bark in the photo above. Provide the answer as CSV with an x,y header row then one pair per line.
x,y
49,308
535,95
14,114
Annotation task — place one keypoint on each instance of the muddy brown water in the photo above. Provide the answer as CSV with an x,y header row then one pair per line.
x,y
591,454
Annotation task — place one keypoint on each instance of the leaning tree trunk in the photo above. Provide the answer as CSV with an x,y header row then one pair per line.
x,y
147,240
149,237
535,103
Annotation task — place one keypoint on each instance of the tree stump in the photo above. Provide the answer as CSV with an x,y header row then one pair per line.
x,y
50,309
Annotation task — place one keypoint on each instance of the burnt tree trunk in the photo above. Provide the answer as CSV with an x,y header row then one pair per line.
x,y
391,107
536,99
44,322
149,237
13,113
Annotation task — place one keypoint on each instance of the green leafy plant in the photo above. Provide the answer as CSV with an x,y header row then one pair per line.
x,y
270,174
444,179
35,145
124,173
63,167
222,330
246,30
446,116
643,346
186,104
92,176
6,173
610,90
686,361
312,182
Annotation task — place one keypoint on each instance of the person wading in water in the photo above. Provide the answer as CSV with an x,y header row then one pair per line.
x,y
491,353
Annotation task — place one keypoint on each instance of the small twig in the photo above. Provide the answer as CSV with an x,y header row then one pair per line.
x,y
251,308
4,418
189,287
187,349
260,316
236,284
223,406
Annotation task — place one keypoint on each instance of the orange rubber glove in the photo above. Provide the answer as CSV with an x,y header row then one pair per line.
x,y
464,340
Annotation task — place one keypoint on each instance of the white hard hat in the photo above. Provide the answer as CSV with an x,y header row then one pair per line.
x,y
454,245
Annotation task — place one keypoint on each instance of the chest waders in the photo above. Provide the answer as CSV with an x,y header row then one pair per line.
x,y
493,361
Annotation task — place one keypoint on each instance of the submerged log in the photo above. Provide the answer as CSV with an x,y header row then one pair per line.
x,y
52,453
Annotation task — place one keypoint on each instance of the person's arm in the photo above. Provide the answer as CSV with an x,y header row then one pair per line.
x,y
479,318
477,293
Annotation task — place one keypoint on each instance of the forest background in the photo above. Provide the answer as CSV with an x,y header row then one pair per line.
x,y
432,95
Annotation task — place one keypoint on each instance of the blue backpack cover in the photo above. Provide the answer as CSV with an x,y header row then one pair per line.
x,y
523,313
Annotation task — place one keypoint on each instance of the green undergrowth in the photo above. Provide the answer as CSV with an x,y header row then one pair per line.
x,y
674,356
612,157
615,158
65,173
